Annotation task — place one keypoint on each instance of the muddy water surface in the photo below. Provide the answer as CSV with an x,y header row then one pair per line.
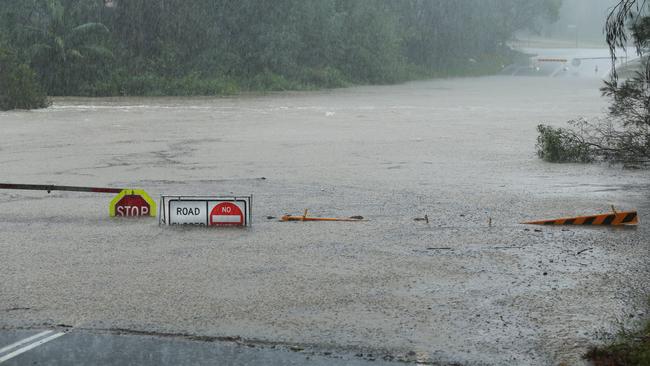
x,y
453,290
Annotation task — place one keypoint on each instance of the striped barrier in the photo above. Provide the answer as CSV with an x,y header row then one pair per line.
x,y
561,60
613,219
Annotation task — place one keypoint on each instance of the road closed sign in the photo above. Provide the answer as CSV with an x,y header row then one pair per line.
x,y
206,211
132,203
186,212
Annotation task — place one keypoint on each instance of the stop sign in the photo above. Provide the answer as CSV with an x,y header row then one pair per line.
x,y
226,214
132,203
131,206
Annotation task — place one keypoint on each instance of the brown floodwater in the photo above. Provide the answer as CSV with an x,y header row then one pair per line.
x,y
461,151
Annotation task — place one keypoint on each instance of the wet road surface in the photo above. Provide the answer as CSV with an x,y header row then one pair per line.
x,y
63,347
571,63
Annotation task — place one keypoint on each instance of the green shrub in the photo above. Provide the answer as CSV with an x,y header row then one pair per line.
x,y
195,84
148,84
269,81
326,77
630,349
19,86
561,145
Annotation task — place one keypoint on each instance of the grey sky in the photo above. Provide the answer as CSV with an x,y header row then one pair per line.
x,y
588,17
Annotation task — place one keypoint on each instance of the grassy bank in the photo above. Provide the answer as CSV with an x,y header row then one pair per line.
x,y
629,349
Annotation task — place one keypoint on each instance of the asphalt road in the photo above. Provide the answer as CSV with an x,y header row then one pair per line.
x,y
569,63
64,347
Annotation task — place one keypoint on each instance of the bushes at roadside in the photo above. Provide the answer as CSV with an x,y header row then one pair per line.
x,y
154,85
326,77
149,84
630,349
609,139
19,86
120,82
561,145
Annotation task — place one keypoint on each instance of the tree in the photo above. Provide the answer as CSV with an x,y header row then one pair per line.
x,y
624,135
625,13
161,45
65,55
19,87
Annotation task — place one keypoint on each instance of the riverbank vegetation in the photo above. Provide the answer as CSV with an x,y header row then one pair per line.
x,y
208,47
19,85
629,349
623,135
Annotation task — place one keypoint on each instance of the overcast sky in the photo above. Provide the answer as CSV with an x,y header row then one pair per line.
x,y
587,15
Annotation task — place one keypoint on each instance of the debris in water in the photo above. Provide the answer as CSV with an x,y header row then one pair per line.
x,y
18,308
304,217
425,218
584,250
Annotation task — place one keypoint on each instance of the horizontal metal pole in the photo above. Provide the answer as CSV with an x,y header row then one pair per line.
x,y
49,188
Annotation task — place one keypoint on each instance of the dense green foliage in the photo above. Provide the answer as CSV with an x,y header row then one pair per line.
x,y
136,47
19,87
623,136
562,145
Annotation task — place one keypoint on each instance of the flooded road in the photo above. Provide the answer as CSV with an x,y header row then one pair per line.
x,y
453,290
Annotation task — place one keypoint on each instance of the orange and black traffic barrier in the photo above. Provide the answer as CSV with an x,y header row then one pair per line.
x,y
550,59
613,219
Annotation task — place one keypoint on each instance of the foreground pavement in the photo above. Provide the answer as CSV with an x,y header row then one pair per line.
x,y
65,346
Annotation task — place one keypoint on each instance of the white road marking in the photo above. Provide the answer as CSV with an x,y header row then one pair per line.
x,y
23,341
30,347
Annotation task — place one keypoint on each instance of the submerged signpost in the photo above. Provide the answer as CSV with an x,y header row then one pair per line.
x,y
216,211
